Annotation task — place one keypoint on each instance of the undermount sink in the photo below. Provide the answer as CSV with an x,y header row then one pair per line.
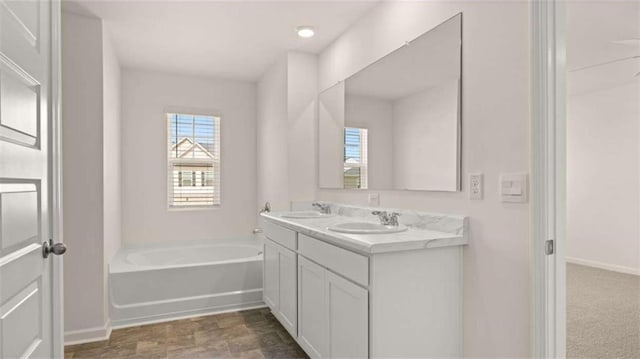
x,y
366,228
306,214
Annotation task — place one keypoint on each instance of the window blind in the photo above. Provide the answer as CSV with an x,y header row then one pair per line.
x,y
193,160
355,157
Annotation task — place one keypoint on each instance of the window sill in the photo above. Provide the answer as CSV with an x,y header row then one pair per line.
x,y
193,208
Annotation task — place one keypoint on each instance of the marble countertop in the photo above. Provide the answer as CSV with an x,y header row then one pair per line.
x,y
423,231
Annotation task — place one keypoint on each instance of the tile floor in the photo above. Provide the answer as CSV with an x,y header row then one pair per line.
x,y
248,334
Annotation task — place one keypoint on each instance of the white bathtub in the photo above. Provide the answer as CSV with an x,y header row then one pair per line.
x,y
155,283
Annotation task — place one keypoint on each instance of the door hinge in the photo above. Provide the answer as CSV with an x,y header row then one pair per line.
x,y
549,247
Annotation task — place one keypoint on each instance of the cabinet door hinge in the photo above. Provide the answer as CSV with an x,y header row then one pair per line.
x,y
549,247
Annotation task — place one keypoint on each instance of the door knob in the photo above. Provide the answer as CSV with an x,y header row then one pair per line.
x,y
48,248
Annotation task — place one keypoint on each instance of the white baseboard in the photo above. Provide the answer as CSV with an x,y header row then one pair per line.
x,y
103,333
185,315
88,335
605,266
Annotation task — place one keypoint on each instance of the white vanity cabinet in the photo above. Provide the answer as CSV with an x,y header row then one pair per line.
x,y
333,313
313,329
348,318
280,283
333,308
353,304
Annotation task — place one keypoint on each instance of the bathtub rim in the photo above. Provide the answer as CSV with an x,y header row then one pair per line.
x,y
119,264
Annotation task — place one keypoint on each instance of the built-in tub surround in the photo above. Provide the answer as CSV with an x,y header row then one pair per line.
x,y
367,295
151,283
425,230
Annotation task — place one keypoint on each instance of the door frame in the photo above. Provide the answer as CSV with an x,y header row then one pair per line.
x,y
55,178
548,177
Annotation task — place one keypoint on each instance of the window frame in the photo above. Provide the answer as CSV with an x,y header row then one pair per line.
x,y
169,162
364,154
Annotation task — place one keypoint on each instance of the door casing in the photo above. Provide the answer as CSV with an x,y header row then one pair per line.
x,y
548,177
55,178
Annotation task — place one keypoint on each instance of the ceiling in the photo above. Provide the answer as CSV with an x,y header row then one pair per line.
x,y
595,58
227,39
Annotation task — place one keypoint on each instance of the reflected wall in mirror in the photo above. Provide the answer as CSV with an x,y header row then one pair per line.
x,y
396,123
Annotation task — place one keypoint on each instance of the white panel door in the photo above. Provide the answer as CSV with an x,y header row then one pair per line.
x,y
312,314
271,269
26,304
348,311
288,294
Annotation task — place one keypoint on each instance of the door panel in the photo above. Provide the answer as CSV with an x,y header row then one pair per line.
x,y
19,209
19,104
348,306
25,15
26,305
288,296
312,316
20,319
24,34
19,269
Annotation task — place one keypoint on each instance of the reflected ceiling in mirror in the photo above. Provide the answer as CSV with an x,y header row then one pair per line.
x,y
396,123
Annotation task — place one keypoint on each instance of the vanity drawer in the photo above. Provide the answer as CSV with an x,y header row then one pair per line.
x,y
346,263
280,235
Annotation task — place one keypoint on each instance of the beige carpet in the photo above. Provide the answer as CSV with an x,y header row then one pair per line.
x,y
603,313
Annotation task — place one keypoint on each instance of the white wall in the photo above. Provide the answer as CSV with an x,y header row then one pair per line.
x,y
302,89
111,148
331,119
83,196
425,139
603,180
146,97
495,122
376,115
286,141
111,156
272,145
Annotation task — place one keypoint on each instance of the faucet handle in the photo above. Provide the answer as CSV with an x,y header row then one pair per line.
x,y
382,215
323,207
393,218
266,208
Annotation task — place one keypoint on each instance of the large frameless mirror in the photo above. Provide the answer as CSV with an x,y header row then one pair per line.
x,y
396,123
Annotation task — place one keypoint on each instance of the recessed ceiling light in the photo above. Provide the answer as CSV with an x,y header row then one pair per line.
x,y
305,31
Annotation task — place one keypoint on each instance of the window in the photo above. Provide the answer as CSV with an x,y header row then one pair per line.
x,y
355,157
193,160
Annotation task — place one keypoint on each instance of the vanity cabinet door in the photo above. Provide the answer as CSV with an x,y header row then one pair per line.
x,y
270,290
288,296
312,314
348,313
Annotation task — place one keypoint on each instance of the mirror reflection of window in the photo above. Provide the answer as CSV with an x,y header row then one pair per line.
x,y
355,158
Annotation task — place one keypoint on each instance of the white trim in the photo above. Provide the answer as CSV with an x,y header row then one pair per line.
x,y
55,179
605,266
217,160
548,178
185,315
88,335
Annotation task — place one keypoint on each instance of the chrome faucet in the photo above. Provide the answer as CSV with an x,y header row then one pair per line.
x,y
387,219
323,207
266,208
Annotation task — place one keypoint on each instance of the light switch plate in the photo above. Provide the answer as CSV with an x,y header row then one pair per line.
x,y
476,187
374,199
514,187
